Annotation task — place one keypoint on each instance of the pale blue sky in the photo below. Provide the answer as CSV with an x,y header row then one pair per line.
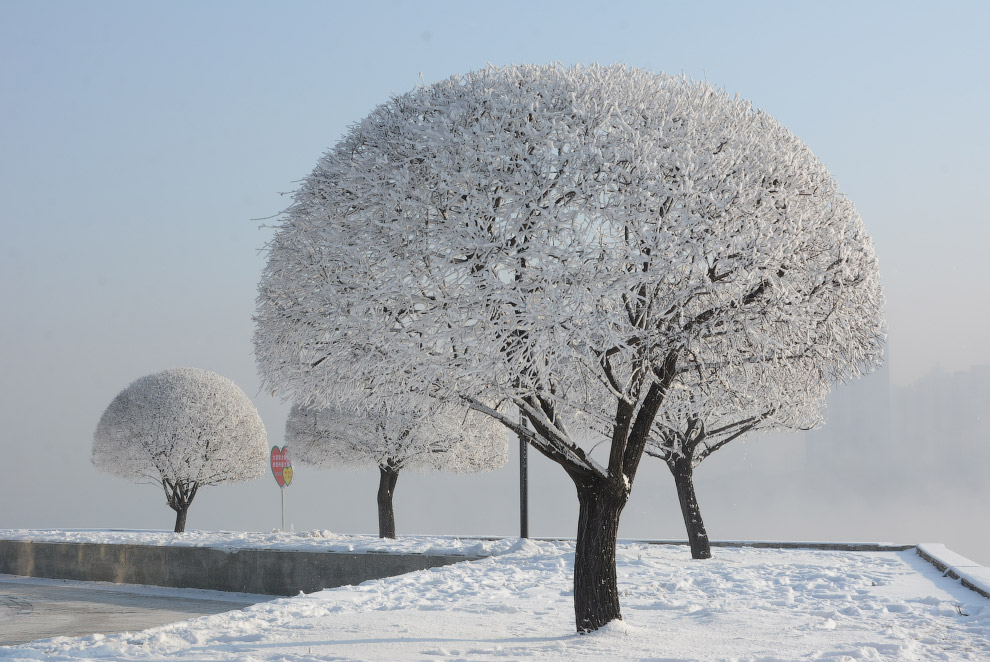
x,y
140,141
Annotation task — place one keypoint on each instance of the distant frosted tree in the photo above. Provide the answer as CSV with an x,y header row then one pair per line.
x,y
541,235
183,429
428,436
747,399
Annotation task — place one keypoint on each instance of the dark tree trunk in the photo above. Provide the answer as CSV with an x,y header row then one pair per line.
x,y
601,498
180,495
180,518
386,515
684,480
596,592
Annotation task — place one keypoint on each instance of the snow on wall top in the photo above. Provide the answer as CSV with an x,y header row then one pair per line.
x,y
308,541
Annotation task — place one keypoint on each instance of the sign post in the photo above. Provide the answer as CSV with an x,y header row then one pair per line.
x,y
282,470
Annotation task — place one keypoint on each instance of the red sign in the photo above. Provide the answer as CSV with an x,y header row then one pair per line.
x,y
281,466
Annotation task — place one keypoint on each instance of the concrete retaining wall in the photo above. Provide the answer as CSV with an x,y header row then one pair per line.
x,y
771,544
271,572
971,574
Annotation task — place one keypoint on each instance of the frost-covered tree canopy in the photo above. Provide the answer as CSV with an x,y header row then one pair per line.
x,y
748,398
423,433
432,437
580,242
181,425
531,231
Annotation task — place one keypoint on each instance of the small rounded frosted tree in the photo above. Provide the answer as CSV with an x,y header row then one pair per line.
x,y
183,429
426,436
747,399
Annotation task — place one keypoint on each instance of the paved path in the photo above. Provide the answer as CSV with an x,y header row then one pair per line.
x,y
40,608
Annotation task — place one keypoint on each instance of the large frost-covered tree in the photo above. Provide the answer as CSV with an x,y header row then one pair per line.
x,y
183,429
429,436
541,235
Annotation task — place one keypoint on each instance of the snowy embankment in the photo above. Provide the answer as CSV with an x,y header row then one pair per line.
x,y
308,541
745,604
971,574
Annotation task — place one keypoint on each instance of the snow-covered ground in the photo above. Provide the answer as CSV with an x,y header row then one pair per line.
x,y
745,604
33,608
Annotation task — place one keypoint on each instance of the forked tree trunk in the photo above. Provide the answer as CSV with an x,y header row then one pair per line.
x,y
386,515
596,592
684,480
179,494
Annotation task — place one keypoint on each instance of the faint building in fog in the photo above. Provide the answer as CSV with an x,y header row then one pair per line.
x,y
931,435
940,425
855,443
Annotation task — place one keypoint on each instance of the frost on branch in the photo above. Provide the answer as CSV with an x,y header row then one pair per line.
x,y
581,243
779,396
431,436
183,429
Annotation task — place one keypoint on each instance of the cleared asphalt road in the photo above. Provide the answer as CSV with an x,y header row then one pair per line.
x,y
40,608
